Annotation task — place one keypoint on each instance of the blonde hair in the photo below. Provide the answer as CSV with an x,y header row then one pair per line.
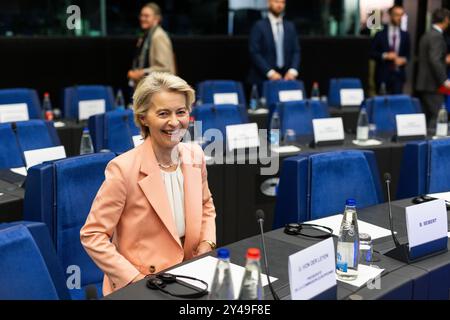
x,y
153,83
153,6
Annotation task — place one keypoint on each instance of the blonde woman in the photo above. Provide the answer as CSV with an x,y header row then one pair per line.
x,y
154,209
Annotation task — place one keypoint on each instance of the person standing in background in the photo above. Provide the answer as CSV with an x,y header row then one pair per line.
x,y
433,59
154,50
391,51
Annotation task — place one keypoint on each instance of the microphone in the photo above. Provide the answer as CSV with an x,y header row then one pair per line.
x,y
260,219
387,180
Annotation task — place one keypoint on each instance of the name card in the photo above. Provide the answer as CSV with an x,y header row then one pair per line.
x,y
426,222
14,112
312,270
351,97
328,129
38,156
290,95
87,108
137,140
411,125
226,98
241,136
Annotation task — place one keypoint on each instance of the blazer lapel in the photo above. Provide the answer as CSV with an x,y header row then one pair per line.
x,y
269,35
154,189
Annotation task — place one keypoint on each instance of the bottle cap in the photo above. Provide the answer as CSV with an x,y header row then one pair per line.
x,y
191,119
350,202
46,94
223,253
253,253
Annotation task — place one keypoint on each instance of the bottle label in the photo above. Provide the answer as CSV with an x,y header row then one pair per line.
x,y
345,256
442,129
253,104
362,133
48,115
275,137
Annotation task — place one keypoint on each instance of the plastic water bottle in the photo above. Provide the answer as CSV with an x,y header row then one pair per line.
x,y
222,285
347,252
251,287
275,130
315,93
120,101
254,97
47,107
442,122
362,130
86,142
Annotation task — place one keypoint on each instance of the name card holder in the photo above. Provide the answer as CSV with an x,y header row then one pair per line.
x,y
404,254
328,132
410,127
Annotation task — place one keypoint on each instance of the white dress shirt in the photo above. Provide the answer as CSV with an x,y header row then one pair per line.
x,y
175,193
391,31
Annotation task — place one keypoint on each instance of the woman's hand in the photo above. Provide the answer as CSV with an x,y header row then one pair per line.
x,y
202,248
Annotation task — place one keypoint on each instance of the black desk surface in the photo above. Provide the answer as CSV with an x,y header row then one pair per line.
x,y
11,196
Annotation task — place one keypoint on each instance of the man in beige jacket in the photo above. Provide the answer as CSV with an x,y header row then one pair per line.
x,y
154,50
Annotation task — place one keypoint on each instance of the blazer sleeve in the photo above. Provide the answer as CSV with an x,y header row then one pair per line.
x,y
255,43
161,54
101,222
208,228
295,62
437,67
376,48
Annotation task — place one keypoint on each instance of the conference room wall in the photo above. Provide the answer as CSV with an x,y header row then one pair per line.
x,y
51,63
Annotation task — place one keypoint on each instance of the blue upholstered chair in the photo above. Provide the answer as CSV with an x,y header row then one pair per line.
x,y
271,90
113,130
425,168
10,152
73,95
336,84
314,186
383,109
60,194
36,134
22,95
207,89
29,268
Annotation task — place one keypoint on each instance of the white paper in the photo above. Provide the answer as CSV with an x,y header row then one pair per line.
x,y
204,269
426,222
226,98
137,140
365,274
442,195
411,124
285,149
14,112
258,111
351,97
312,270
448,234
59,124
328,129
290,95
241,136
87,108
38,156
370,142
334,222
22,171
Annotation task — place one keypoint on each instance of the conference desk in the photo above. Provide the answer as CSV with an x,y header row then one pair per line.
x,y
427,279
11,196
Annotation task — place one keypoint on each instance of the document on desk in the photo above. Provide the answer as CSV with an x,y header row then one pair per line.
x,y
365,274
22,171
442,195
334,222
204,269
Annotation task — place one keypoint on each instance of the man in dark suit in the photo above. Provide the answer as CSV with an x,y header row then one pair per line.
x,y
274,47
391,51
432,72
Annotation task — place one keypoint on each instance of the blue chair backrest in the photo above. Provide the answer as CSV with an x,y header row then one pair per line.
x,y
22,95
298,116
314,186
36,134
73,95
336,84
60,194
207,89
10,153
383,109
113,130
424,168
271,90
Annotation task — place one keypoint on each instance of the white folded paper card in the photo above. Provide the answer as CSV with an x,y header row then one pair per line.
x,y
285,149
334,222
87,108
351,97
290,95
226,98
258,111
204,269
137,140
328,129
411,124
312,270
442,195
37,156
22,171
14,112
241,136
366,274
369,142
59,124
426,222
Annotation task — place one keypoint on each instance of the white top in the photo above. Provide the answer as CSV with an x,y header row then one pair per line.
x,y
437,28
175,193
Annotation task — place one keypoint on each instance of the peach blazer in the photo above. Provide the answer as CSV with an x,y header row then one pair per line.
x,y
130,228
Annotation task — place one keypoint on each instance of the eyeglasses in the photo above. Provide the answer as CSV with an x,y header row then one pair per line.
x,y
308,230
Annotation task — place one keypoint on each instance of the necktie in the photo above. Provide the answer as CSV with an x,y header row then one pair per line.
x,y
279,46
394,41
